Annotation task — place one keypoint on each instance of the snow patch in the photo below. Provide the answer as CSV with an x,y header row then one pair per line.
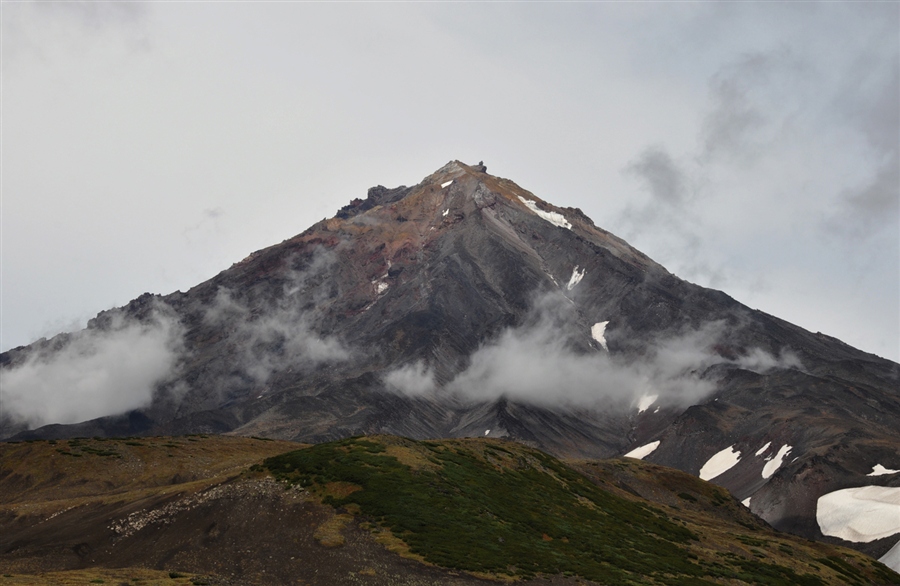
x,y
575,278
645,401
879,470
746,502
643,451
720,463
554,218
760,451
861,514
487,431
446,183
597,332
380,286
775,463
892,558
447,211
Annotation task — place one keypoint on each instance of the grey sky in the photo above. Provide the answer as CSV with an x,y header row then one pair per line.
x,y
752,147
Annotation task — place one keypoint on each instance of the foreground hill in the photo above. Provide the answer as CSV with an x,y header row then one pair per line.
x,y
467,306
381,510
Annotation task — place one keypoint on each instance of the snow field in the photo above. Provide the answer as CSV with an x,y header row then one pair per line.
x,y
720,463
775,462
879,470
597,332
892,558
643,451
446,183
861,514
575,278
645,401
554,218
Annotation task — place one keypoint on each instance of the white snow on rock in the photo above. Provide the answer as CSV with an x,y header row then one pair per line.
x,y
892,558
597,332
643,451
446,183
775,463
879,470
380,286
575,278
447,211
746,502
861,514
487,431
554,218
719,463
645,401
760,451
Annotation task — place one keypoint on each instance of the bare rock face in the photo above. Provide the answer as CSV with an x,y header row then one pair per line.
x,y
467,306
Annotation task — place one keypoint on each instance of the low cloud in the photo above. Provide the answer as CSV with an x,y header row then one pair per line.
x,y
548,362
97,372
412,379
280,333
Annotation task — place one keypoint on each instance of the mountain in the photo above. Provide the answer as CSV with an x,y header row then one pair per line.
x,y
467,306
381,510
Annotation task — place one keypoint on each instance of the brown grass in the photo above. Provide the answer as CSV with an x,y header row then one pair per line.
x,y
340,490
331,532
116,576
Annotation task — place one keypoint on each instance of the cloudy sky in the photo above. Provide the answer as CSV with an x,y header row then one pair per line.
x,y
749,147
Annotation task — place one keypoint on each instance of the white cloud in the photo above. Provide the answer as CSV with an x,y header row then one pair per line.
x,y
98,372
540,363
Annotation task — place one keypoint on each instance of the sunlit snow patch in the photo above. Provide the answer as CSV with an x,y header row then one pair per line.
x,y
879,470
575,278
487,431
760,451
861,514
597,332
720,463
380,286
554,218
746,502
645,402
447,211
775,463
643,451
446,183
892,558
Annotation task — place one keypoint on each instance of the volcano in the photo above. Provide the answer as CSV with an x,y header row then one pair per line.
x,y
466,306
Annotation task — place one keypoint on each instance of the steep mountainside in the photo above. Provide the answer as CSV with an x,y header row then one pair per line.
x,y
467,306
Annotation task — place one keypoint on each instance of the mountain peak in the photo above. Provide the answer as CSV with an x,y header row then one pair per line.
x,y
465,305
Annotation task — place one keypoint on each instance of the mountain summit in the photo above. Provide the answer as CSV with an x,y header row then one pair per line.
x,y
467,306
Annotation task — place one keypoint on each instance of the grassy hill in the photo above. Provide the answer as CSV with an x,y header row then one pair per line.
x,y
383,511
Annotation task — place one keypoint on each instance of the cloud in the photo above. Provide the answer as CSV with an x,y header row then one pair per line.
x,y
279,333
665,180
412,379
547,361
97,372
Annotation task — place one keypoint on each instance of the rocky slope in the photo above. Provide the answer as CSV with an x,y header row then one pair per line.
x,y
381,510
467,306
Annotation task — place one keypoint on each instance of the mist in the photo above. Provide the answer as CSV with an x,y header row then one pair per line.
x,y
548,361
98,372
279,333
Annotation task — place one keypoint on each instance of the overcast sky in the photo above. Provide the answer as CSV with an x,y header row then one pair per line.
x,y
749,147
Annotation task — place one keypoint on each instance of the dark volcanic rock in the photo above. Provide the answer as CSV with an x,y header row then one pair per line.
x,y
415,288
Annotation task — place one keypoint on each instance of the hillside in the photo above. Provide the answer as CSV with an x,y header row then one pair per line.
x,y
467,306
380,510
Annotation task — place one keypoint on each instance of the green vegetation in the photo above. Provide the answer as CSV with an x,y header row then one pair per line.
x,y
496,511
